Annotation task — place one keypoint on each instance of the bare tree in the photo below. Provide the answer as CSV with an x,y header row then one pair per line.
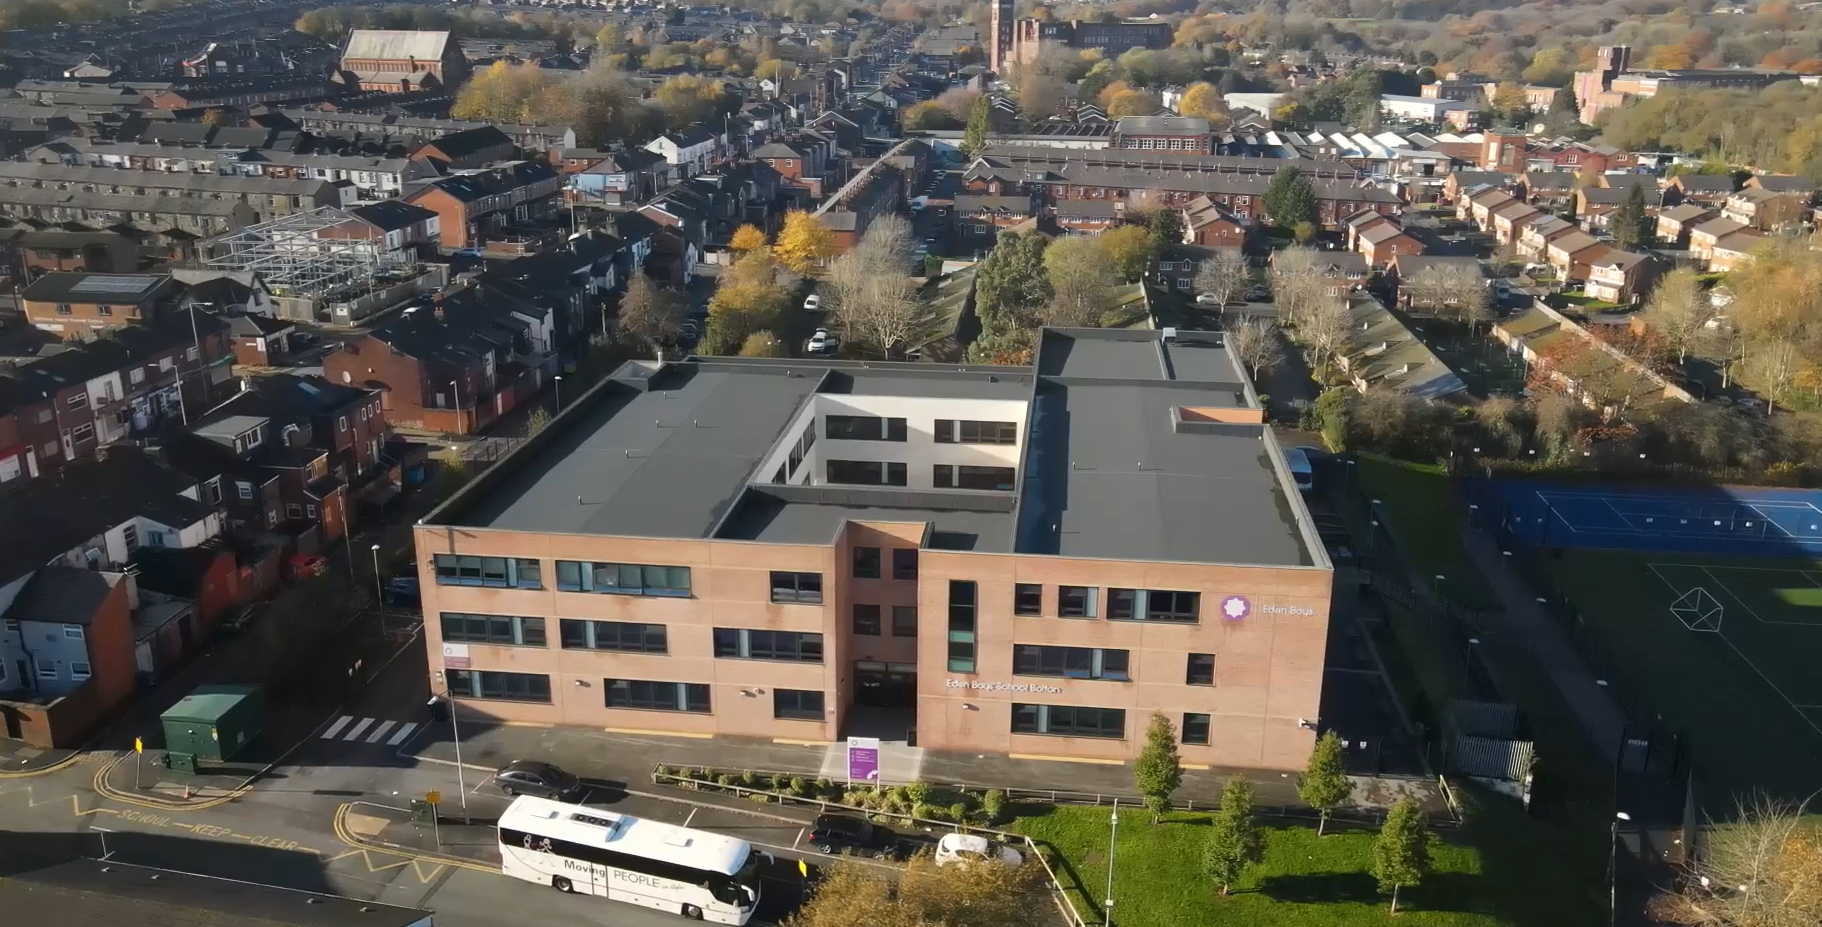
x,y
1254,342
1679,311
887,244
868,291
1082,279
896,319
1762,869
649,312
1325,330
1222,277
1427,289
1297,282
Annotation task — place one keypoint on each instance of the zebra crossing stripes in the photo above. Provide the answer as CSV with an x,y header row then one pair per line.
x,y
351,729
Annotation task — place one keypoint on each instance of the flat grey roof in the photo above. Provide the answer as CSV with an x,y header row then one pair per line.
x,y
666,462
1110,468
766,518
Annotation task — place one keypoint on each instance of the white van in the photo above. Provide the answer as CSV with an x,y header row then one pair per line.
x,y
1298,462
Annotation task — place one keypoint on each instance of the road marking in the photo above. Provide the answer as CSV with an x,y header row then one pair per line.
x,y
379,732
358,728
364,825
403,733
692,817
336,728
799,840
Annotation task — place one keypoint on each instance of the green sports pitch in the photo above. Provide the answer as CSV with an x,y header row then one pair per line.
x,y
1728,651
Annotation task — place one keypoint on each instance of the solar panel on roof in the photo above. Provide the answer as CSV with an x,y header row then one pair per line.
x,y
113,283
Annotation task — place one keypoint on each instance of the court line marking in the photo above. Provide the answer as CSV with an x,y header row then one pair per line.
x,y
1722,634
1709,569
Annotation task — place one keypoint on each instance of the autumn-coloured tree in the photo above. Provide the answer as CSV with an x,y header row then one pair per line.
x,y
1203,99
747,299
1132,103
978,895
804,243
1762,868
746,238
928,114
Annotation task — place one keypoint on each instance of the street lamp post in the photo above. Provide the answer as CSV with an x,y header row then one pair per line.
x,y
559,383
1113,832
457,385
456,732
1613,855
379,591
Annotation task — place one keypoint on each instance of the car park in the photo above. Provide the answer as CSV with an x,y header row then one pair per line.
x,y
841,833
537,779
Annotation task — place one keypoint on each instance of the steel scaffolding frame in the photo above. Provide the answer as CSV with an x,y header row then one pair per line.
x,y
294,258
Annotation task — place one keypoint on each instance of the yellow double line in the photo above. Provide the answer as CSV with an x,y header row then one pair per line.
x,y
110,793
353,840
62,764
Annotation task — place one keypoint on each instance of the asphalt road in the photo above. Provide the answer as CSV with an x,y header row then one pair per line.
x,y
282,832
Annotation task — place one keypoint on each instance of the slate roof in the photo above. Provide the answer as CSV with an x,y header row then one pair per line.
x,y
395,44
87,498
62,595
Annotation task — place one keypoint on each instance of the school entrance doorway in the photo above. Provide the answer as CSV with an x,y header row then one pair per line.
x,y
885,685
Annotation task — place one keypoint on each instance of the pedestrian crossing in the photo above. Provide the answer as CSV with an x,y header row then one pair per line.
x,y
351,729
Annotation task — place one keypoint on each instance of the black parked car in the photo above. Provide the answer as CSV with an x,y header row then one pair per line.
x,y
839,833
540,780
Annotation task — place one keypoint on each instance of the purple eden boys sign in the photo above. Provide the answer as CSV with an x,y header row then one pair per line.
x,y
863,759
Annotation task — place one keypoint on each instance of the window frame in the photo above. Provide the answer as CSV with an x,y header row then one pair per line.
x,y
1090,602
867,619
797,595
865,428
1056,661
1023,608
798,711
1067,721
1193,678
682,698
589,636
866,563
1184,730
518,630
586,580
478,690
900,629
904,563
778,646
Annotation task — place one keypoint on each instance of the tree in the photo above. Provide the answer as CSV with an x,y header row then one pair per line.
x,y
1289,198
804,242
747,299
958,102
977,895
1324,784
1401,855
1166,228
1763,868
1082,279
537,421
1627,224
974,137
1254,343
1158,771
1131,103
928,114
1297,282
762,344
687,99
1203,99
746,238
1223,277
1012,277
1130,250
608,38
650,313
1234,843
1679,312
1325,330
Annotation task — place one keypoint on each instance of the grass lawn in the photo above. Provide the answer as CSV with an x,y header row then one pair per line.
x,y
1425,513
1587,303
1506,869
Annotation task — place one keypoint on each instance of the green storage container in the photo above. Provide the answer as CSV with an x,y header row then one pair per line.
x,y
215,723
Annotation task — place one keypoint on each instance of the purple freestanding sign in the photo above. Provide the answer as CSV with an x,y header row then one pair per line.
x,y
863,759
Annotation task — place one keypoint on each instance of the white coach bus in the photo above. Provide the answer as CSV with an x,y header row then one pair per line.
x,y
574,848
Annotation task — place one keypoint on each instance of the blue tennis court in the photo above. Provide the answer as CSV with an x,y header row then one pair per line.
x,y
1743,522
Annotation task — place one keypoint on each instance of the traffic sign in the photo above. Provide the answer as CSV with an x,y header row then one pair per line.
x,y
139,746
433,796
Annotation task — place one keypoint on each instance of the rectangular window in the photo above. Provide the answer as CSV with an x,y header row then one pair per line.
x,y
77,401
1121,604
950,476
953,431
129,537
245,491
72,631
962,601
493,629
47,671
1068,721
863,428
756,644
866,619
904,621
645,695
866,472
802,588
623,579
1077,601
505,687
1195,728
866,563
1201,670
797,704
1164,605
904,563
79,670
622,636
1027,599
1070,662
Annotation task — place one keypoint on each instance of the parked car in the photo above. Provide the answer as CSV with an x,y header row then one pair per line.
x,y
840,833
537,779
1207,299
1298,462
812,302
820,343
954,849
403,592
1258,293
302,565
239,621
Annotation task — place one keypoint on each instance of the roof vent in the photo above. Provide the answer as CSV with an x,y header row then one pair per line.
x,y
1170,334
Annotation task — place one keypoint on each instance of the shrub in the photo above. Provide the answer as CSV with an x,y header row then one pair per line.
x,y
924,812
993,805
660,771
1784,473
759,797
824,786
797,786
958,812
726,779
918,792
777,783
750,779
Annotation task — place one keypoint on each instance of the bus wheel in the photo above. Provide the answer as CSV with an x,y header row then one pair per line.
x,y
692,912
563,885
